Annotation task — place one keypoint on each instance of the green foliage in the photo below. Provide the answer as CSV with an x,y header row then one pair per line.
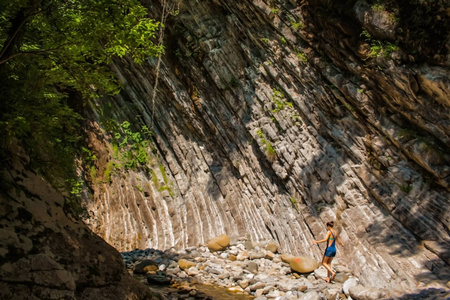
x,y
406,188
76,187
130,147
379,48
107,173
55,54
270,151
297,25
265,40
294,203
93,172
279,100
301,56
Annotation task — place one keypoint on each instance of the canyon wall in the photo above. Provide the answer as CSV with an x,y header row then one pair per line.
x,y
270,119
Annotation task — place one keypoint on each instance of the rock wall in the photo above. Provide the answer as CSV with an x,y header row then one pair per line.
x,y
45,252
272,118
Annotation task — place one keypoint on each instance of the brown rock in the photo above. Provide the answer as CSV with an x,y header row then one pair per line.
x,y
272,247
269,255
286,258
302,288
145,266
303,264
218,243
185,264
232,257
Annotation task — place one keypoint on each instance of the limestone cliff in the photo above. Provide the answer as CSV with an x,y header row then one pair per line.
x,y
274,117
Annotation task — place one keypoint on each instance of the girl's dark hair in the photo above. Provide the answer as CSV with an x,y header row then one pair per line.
x,y
331,224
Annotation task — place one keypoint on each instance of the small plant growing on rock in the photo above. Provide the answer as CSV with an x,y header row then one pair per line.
x,y
295,24
274,10
294,203
270,151
406,188
301,56
379,48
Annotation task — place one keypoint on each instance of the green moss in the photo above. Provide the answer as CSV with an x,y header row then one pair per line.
x,y
294,203
163,173
93,172
107,173
270,151
406,188
302,57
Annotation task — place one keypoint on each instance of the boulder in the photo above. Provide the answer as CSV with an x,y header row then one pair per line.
x,y
359,292
341,277
145,266
352,281
321,273
186,264
303,264
272,247
219,243
286,258
159,279
313,295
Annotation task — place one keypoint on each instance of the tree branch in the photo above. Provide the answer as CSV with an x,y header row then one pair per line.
x,y
36,52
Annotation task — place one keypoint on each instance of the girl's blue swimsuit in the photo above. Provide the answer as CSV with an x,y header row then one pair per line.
x,y
330,251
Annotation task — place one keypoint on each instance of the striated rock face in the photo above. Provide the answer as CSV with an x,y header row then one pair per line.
x,y
272,119
46,253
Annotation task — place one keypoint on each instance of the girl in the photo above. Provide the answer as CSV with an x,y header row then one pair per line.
x,y
330,251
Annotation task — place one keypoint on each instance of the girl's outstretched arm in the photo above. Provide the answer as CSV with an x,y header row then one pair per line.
x,y
324,240
339,241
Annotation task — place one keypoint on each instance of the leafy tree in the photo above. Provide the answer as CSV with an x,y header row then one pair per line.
x,y
55,54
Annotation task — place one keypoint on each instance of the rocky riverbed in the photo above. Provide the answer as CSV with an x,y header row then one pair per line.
x,y
243,268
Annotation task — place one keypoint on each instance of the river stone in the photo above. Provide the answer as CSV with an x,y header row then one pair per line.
x,y
158,279
219,243
185,264
248,245
252,267
256,255
303,264
243,255
352,281
302,288
272,247
321,273
192,271
310,296
286,258
145,266
341,277
269,255
359,292
243,283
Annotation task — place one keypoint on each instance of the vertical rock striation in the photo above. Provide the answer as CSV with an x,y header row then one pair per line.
x,y
272,119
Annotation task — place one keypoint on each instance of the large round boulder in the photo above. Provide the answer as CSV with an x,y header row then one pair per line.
x,y
219,243
303,264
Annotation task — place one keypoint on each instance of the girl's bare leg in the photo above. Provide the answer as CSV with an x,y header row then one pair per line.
x,y
327,264
333,273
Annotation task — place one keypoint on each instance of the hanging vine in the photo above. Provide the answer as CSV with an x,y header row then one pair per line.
x,y
166,10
